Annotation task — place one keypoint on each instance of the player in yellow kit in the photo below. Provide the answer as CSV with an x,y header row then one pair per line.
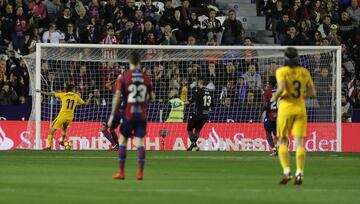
x,y
294,86
69,100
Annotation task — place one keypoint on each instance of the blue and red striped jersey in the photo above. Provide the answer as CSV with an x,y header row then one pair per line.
x,y
135,87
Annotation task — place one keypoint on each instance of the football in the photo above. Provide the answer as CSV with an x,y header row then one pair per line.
x,y
67,145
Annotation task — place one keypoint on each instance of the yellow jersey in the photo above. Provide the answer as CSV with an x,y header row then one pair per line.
x,y
69,100
297,81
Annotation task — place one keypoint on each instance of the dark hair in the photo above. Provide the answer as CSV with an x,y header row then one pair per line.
x,y
69,87
202,78
134,58
248,38
291,57
272,81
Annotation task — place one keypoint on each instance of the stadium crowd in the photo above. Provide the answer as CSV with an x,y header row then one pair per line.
x,y
175,22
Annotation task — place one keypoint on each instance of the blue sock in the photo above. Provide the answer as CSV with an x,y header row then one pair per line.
x,y
141,158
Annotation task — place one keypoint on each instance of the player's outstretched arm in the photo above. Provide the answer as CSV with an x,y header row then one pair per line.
x,y
88,101
310,92
46,93
279,91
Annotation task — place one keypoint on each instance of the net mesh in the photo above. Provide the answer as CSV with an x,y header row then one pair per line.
x,y
237,76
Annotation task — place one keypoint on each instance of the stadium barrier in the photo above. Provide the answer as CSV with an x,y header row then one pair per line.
x,y
214,137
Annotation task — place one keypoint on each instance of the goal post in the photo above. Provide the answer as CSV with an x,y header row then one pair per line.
x,y
232,127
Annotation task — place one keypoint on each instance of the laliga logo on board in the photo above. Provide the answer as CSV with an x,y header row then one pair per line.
x,y
5,142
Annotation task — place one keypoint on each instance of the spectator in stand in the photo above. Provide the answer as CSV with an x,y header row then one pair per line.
x,y
315,12
333,37
4,71
211,75
227,90
316,39
186,10
324,28
97,99
22,4
82,23
306,32
74,6
178,26
91,36
191,41
70,36
167,14
345,28
229,73
8,95
240,90
39,13
110,11
354,11
227,101
192,27
53,8
167,37
346,108
138,21
282,28
148,35
20,27
274,12
129,9
298,12
330,10
110,39
129,35
323,87
214,29
7,22
52,35
293,37
233,30
94,9
149,10
252,79
65,19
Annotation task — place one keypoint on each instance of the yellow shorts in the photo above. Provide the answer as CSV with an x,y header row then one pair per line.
x,y
60,122
291,124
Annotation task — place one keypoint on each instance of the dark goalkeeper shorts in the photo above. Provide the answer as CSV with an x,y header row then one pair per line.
x,y
196,122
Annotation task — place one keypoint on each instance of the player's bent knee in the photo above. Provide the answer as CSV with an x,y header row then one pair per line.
x,y
139,142
122,140
299,141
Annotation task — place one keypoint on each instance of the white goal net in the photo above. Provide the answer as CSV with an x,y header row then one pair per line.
x,y
237,75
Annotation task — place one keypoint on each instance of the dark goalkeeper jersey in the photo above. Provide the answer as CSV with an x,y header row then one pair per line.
x,y
204,101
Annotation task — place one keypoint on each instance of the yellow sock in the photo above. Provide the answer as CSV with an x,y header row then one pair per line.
x,y
49,140
300,160
284,158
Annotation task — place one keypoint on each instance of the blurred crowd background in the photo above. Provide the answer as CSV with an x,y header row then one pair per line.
x,y
178,22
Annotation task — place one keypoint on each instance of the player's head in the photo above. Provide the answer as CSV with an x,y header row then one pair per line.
x,y
272,81
201,81
70,88
173,93
134,60
291,57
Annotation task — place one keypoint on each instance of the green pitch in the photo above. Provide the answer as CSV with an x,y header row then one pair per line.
x,y
174,177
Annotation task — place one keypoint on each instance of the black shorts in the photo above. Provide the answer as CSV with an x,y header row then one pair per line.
x,y
196,122
270,126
